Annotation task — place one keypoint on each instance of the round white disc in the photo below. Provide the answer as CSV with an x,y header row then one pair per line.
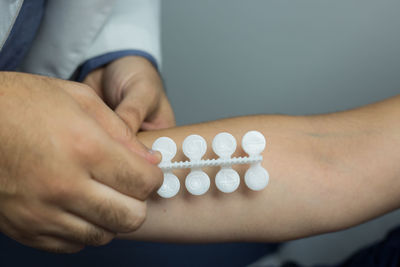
x,y
227,180
253,143
194,147
224,145
170,186
166,146
197,183
256,178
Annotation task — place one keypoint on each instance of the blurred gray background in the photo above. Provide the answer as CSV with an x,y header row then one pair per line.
x,y
233,57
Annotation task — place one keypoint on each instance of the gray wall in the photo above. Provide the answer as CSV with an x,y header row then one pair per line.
x,y
234,57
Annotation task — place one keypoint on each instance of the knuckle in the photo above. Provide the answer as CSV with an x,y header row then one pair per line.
x,y
85,92
125,177
143,182
121,219
143,188
116,217
84,146
131,115
133,111
134,219
84,95
146,189
139,217
97,237
60,191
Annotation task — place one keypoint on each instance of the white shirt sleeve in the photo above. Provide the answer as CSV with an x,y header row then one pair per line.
x,y
75,31
132,25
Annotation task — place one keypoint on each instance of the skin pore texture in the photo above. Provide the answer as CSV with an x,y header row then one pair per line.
x,y
327,173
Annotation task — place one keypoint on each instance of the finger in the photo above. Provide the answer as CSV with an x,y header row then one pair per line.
x,y
163,117
94,80
109,121
70,227
135,106
53,244
126,172
145,108
134,89
107,208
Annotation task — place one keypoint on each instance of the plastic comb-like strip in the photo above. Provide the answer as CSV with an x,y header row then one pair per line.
x,y
209,163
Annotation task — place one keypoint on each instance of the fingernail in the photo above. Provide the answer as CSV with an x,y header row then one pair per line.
x,y
157,155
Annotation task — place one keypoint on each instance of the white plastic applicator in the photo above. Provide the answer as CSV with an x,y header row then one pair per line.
x,y
227,179
197,182
167,147
256,177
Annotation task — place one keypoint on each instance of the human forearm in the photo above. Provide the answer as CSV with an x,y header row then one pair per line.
x,y
327,172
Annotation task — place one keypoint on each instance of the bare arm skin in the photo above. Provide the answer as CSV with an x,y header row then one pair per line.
x,y
327,173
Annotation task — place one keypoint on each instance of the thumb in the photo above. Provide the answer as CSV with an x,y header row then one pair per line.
x,y
131,112
119,130
113,124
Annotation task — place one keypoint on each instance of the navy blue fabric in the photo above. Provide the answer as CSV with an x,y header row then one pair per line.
x,y
130,253
382,254
385,253
22,34
104,59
